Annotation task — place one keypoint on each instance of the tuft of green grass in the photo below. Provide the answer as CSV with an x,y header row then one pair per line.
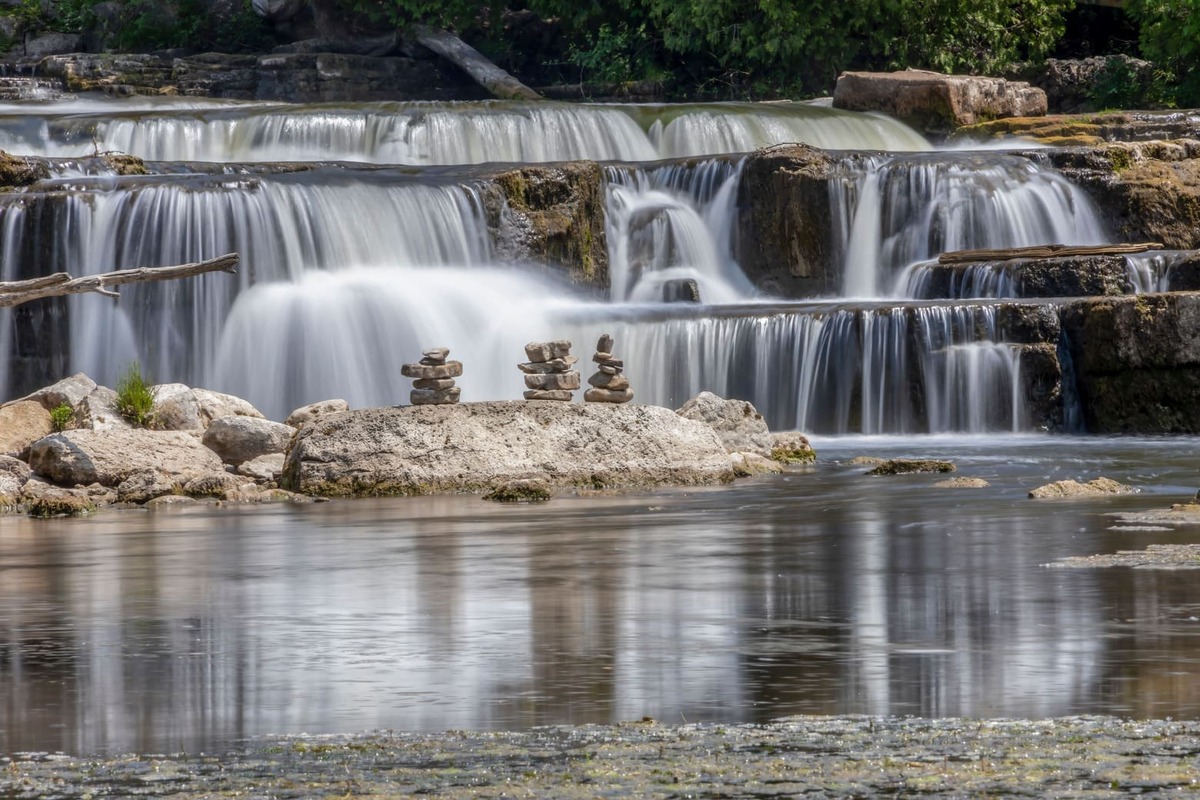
x,y
135,398
61,417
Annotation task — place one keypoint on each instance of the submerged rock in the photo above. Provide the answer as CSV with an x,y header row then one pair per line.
x,y
962,483
906,466
475,446
1073,488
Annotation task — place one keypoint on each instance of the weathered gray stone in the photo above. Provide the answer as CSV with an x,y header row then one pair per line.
x,y
525,490
109,457
170,500
595,395
474,446
604,380
1072,488
314,411
278,10
790,447
609,369
165,391
962,483
429,372
741,428
13,476
98,412
438,384
52,43
216,484
937,103
145,485
434,397
604,344
539,352
195,409
22,422
553,365
237,439
549,394
435,355
553,380
69,391
750,464
60,502
264,469
605,357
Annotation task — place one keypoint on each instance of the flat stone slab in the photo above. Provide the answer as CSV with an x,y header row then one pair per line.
x,y
861,756
473,446
936,103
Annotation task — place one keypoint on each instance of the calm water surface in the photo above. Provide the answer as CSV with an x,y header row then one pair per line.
x,y
822,592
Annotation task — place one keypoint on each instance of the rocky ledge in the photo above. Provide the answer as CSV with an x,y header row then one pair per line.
x,y
416,450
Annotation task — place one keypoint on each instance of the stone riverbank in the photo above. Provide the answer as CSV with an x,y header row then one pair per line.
x,y
825,756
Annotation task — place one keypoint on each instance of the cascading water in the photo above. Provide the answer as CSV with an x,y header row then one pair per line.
x,y
347,273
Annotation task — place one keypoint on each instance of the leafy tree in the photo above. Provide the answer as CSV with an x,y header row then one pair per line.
x,y
1170,37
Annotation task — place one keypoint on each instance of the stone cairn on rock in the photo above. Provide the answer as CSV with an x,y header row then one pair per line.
x,y
609,385
434,378
548,373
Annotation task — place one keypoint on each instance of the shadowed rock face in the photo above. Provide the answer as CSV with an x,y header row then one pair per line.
x,y
1071,276
474,446
936,103
1136,362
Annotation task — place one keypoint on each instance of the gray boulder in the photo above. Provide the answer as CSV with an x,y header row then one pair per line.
x,y
741,428
110,457
277,10
264,469
14,474
476,446
98,412
314,411
70,391
52,44
195,409
236,439
146,485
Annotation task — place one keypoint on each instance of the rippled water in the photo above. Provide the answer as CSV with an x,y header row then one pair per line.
x,y
822,592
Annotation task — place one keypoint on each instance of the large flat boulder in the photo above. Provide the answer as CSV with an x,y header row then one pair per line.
x,y
22,422
474,446
110,457
936,103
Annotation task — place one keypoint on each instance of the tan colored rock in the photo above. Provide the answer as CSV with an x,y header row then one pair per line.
x,y
195,409
59,502
936,103
145,485
315,411
110,457
170,501
962,483
791,447
749,464
217,484
741,428
22,422
13,476
475,446
1072,489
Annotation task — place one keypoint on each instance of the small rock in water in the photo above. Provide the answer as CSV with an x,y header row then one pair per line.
x,y
549,394
520,491
553,380
1072,488
962,483
595,395
434,397
428,372
866,461
906,466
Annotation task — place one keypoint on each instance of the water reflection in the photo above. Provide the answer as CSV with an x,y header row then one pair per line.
x,y
826,592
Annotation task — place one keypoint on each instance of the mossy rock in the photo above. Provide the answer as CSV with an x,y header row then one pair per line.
x,y
908,466
16,171
793,455
526,491
60,503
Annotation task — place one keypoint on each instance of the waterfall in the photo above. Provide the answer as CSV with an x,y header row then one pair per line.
x,y
423,133
899,211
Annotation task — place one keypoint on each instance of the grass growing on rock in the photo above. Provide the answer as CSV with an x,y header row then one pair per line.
x,y
135,398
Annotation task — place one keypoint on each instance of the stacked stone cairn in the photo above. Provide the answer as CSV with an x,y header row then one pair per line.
x,y
548,373
608,384
434,378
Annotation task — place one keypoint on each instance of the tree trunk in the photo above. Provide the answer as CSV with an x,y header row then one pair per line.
x,y
472,62
1045,251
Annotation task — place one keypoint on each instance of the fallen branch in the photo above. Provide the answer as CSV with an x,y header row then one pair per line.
x,y
472,62
1045,251
15,293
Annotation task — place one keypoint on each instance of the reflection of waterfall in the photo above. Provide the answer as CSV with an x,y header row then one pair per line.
x,y
438,133
902,210
673,223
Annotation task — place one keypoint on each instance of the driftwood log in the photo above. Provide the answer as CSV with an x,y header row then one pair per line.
x,y
472,62
1045,251
15,293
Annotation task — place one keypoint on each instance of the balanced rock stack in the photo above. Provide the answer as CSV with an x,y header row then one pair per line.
x,y
548,373
608,384
434,378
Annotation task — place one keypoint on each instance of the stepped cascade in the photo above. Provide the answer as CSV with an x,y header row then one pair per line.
x,y
340,260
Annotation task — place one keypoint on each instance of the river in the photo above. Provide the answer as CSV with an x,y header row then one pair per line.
x,y
821,591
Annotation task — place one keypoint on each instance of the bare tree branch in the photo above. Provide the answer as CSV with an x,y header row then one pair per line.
x,y
15,293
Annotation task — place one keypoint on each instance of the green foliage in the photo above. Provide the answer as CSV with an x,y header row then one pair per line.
x,y
135,398
613,54
1170,37
61,417
453,14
